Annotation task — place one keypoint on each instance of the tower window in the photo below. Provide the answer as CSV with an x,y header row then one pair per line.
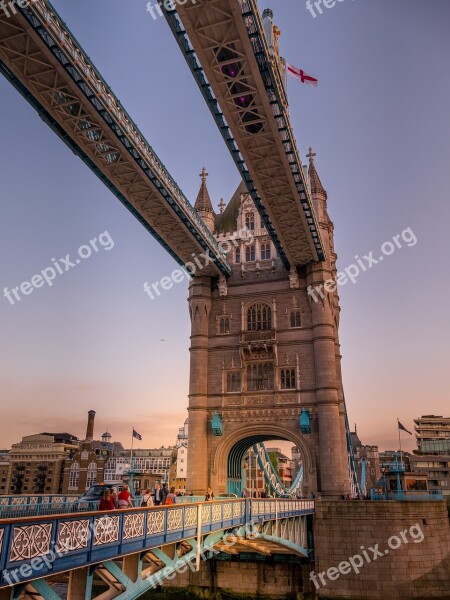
x,y
224,325
260,377
234,381
250,221
296,320
265,251
237,258
91,475
259,317
288,379
250,254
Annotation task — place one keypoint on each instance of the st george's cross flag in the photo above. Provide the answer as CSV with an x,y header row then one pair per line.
x,y
301,75
137,435
403,428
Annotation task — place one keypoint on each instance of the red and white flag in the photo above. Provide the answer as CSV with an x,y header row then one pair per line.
x,y
301,75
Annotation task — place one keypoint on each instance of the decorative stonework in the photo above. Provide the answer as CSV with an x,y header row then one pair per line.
x,y
190,517
133,526
227,511
30,542
216,513
155,522
206,514
73,535
174,519
106,530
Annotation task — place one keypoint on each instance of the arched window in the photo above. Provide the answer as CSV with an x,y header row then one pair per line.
x,y
260,377
296,319
224,325
259,317
74,476
288,379
250,221
265,251
234,381
250,254
237,258
91,475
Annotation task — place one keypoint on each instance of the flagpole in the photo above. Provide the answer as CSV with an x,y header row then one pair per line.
x,y
131,461
401,455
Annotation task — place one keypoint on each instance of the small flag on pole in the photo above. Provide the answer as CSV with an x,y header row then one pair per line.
x,y
137,435
403,428
301,75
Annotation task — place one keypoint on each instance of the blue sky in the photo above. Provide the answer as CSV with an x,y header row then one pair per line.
x,y
379,122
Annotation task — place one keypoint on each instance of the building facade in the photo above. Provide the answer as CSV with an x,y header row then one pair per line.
x,y
432,434
264,351
37,463
88,463
4,469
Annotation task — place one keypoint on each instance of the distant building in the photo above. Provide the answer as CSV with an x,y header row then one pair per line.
x,y
149,466
433,434
88,463
180,457
432,457
296,461
36,464
371,456
4,469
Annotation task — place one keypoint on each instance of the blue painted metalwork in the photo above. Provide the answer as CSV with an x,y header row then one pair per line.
x,y
40,546
305,421
272,478
216,424
407,496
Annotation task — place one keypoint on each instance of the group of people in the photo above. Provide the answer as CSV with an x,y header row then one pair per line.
x,y
161,495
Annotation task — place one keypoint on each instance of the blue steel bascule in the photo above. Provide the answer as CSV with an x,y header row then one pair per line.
x,y
242,85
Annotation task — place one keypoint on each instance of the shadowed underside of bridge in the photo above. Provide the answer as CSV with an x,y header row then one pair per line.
x,y
135,550
43,61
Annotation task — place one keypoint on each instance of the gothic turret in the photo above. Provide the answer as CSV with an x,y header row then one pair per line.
x,y
203,203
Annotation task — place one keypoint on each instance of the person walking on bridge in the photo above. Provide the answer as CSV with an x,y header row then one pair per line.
x,y
106,502
125,498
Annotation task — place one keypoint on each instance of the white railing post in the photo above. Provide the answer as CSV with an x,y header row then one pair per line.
x,y
199,538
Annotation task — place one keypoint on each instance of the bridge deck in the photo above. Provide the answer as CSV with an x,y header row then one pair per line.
x,y
45,63
227,38
35,547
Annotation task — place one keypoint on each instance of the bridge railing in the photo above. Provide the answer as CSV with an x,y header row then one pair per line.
x,y
35,547
407,495
16,507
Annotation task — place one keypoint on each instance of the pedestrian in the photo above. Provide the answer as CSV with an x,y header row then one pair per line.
x,y
171,497
209,496
158,496
106,502
245,493
124,499
147,499
113,496
165,492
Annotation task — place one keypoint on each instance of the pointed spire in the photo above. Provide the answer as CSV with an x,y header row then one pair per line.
x,y
314,179
203,201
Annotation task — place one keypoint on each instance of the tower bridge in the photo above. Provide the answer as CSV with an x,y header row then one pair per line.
x,y
265,356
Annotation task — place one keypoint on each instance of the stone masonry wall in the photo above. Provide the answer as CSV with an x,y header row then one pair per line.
x,y
413,571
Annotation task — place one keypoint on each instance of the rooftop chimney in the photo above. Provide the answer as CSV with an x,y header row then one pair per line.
x,y
90,426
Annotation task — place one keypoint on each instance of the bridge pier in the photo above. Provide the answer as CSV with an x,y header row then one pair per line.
x,y
80,584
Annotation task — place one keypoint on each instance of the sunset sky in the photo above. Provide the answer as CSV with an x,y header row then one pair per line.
x,y
379,122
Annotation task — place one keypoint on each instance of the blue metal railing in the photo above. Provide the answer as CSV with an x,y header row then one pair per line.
x,y
37,547
406,496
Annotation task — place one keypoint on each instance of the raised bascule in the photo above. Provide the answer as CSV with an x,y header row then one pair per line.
x,y
265,355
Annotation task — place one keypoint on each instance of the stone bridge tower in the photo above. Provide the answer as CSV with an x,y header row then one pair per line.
x,y
265,356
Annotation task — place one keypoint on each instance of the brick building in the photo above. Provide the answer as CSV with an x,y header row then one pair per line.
x,y
36,464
